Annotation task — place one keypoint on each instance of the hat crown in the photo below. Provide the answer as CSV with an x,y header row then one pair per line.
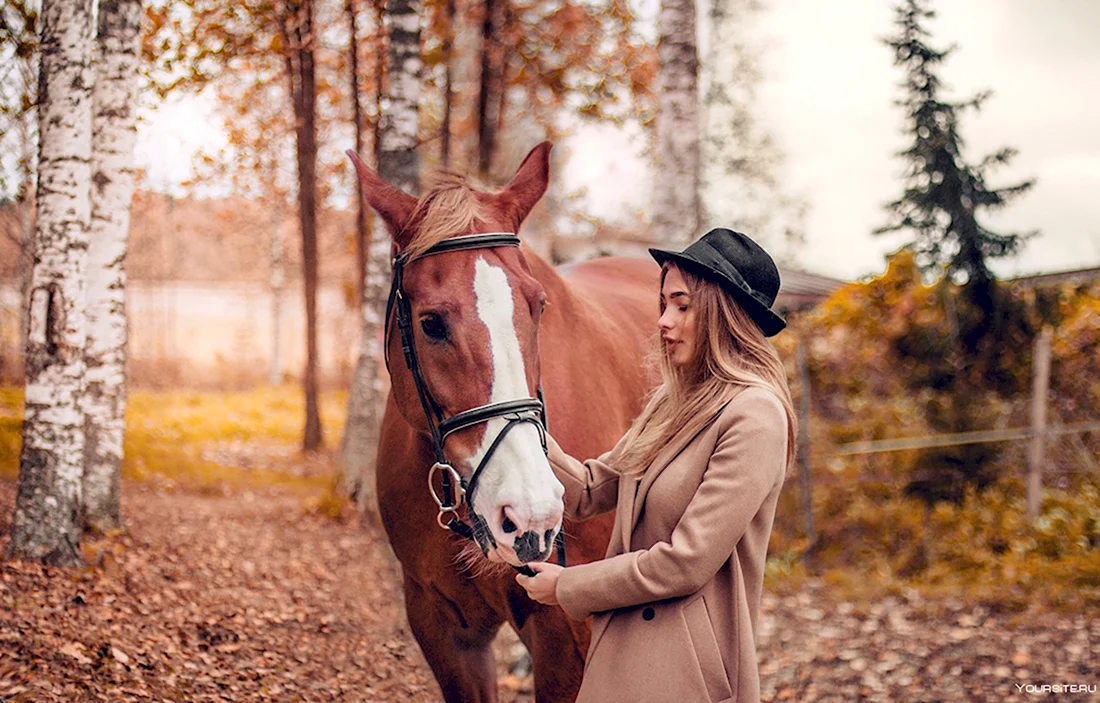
x,y
748,258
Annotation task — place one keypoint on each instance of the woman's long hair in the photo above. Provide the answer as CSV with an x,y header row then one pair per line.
x,y
731,353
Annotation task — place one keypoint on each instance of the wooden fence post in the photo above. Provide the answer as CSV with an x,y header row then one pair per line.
x,y
804,488
1037,448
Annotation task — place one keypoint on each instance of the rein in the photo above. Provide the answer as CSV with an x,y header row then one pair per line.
x,y
524,410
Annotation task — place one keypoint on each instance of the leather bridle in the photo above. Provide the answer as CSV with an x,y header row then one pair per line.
x,y
456,489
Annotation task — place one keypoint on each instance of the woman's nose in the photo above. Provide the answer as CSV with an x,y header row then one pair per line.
x,y
665,321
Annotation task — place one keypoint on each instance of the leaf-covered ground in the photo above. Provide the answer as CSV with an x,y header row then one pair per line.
x,y
242,598
249,597
240,578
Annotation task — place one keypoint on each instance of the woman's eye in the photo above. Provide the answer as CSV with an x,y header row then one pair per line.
x,y
433,327
683,308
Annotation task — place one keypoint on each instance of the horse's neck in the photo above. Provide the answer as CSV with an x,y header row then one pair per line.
x,y
558,289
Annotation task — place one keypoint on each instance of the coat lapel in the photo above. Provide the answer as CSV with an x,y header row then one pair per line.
x,y
666,457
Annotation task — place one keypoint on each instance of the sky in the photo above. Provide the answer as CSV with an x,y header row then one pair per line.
x,y
827,95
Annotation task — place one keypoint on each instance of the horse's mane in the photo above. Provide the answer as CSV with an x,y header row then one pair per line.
x,y
450,205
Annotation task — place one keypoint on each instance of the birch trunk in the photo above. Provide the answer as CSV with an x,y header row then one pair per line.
x,y
46,523
676,189
398,164
115,128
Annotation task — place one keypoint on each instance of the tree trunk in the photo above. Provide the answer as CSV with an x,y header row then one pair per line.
x,y
278,286
361,226
304,93
448,83
27,75
492,86
26,259
398,164
676,188
115,127
46,523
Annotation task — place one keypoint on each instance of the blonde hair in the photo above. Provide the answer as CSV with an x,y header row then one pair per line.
x,y
731,353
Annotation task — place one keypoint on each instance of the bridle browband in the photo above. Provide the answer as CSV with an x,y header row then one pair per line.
x,y
516,412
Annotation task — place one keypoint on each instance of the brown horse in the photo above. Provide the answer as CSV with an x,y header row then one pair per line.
x,y
490,324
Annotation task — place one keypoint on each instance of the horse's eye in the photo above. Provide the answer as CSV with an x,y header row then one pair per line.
x,y
434,327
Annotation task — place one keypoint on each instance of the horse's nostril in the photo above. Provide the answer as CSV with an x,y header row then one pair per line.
x,y
508,526
548,537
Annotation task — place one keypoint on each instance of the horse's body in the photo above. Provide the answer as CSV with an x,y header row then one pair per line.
x,y
589,345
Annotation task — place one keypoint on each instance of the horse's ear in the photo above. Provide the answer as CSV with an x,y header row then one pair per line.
x,y
393,204
528,185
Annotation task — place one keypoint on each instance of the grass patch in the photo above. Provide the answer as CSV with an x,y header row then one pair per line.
x,y
208,441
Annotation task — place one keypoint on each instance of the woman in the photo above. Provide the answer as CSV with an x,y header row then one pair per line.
x,y
695,481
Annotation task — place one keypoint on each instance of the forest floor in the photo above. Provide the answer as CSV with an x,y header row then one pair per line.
x,y
261,588
251,597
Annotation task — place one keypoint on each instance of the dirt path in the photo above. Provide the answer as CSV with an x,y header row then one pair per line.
x,y
247,598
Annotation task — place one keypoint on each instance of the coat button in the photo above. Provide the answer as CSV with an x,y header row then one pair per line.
x,y
648,613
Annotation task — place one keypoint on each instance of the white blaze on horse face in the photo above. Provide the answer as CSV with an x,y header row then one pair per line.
x,y
518,478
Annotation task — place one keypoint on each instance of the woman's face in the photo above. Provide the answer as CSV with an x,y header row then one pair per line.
x,y
677,322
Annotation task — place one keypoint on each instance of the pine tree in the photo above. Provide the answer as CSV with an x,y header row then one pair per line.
x,y
962,369
944,194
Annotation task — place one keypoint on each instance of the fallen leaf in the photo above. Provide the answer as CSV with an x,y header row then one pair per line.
x,y
75,650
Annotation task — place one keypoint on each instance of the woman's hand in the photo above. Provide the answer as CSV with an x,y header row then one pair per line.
x,y
543,586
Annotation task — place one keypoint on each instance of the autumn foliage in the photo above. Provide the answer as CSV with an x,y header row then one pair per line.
x,y
874,356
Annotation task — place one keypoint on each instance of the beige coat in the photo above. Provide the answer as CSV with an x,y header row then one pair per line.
x,y
675,602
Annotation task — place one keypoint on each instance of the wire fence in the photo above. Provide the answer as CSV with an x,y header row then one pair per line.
x,y
1037,434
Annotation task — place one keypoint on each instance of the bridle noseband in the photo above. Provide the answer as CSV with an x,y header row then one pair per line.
x,y
524,410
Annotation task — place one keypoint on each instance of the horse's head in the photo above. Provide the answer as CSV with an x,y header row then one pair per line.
x,y
475,317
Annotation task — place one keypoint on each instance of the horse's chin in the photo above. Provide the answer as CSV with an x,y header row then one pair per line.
x,y
478,563
500,555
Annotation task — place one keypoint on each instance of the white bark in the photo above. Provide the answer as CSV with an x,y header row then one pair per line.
x,y
46,523
397,163
115,128
676,189
397,158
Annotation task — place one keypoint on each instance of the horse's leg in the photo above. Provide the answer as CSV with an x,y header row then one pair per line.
x,y
557,645
456,643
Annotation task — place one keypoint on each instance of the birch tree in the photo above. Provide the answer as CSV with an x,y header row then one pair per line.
x,y
114,101
46,523
676,192
398,164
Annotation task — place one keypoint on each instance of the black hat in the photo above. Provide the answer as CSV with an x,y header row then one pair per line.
x,y
740,266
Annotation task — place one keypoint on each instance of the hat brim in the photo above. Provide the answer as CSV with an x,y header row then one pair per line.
x,y
768,320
